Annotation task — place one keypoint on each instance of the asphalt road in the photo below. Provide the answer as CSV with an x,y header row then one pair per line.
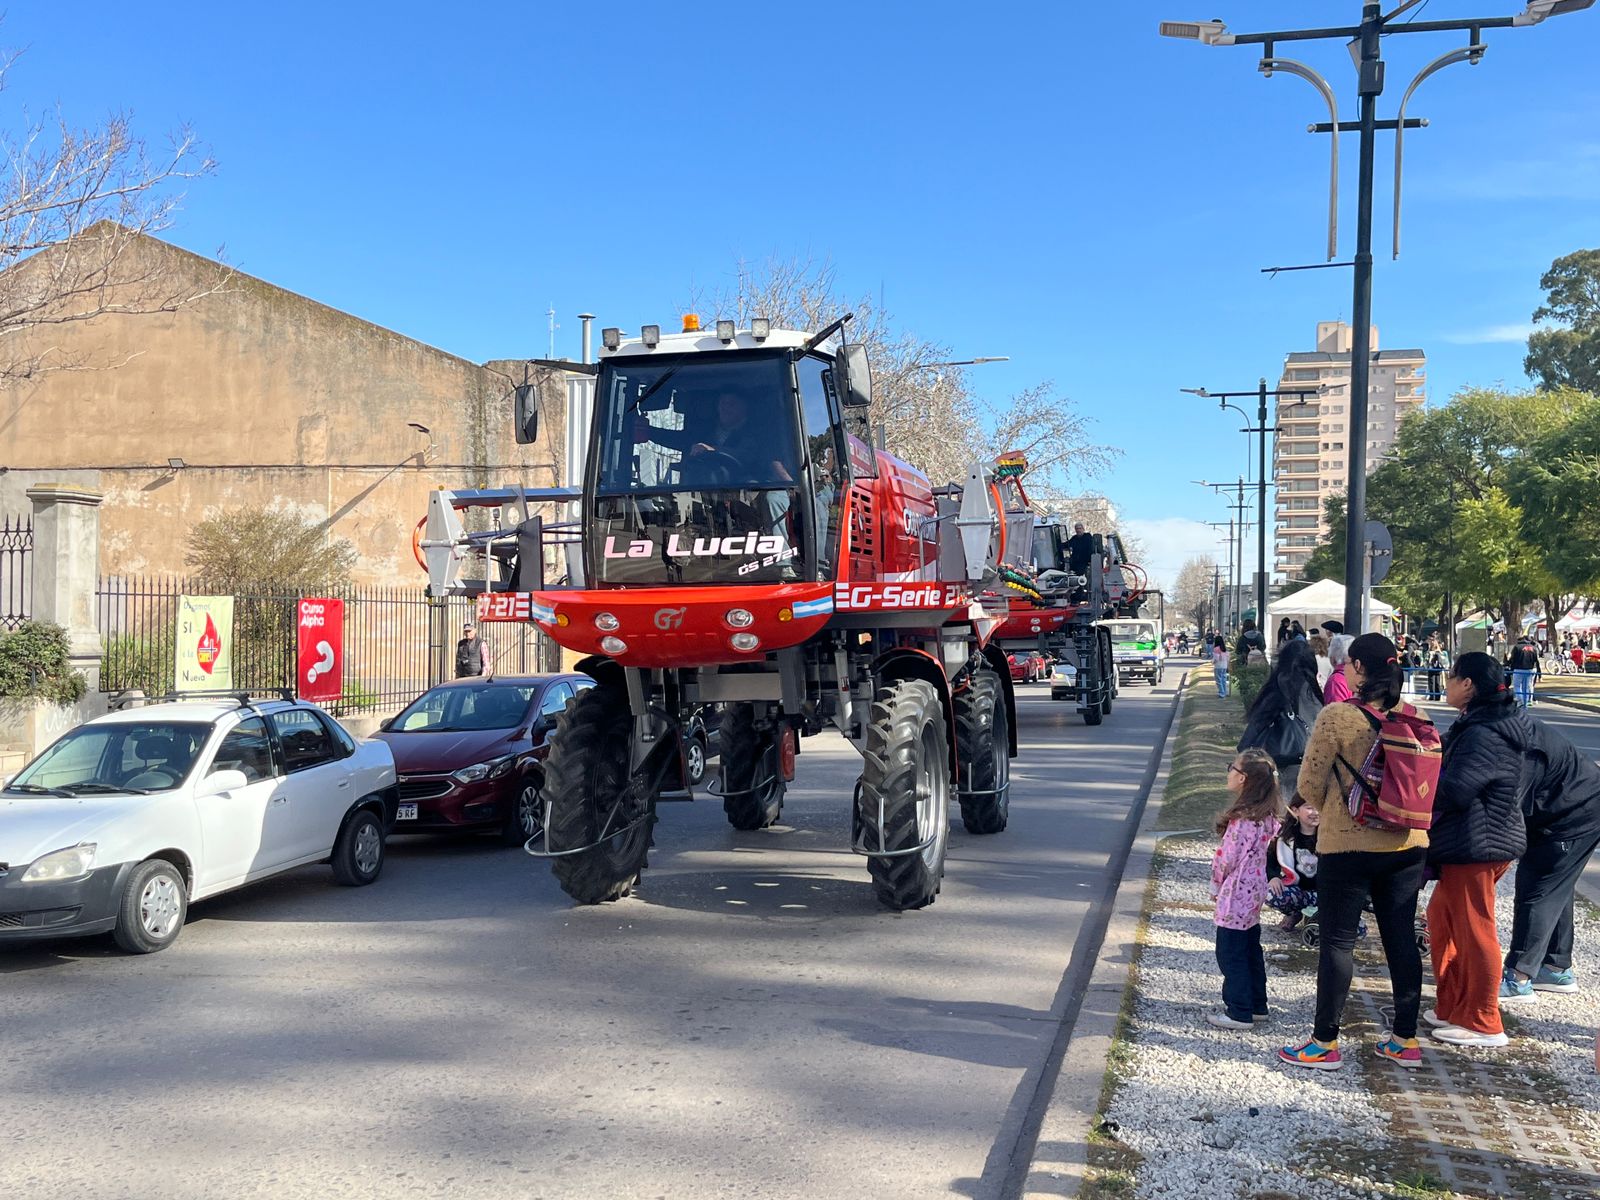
x,y
751,1024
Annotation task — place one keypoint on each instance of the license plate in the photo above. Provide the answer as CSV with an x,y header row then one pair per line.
x,y
407,812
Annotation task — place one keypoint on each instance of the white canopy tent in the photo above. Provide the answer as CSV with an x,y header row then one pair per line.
x,y
1321,601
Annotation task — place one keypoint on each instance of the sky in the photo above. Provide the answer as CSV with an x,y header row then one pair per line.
x,y
1048,181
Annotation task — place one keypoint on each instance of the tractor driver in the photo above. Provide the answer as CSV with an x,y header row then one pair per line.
x,y
723,427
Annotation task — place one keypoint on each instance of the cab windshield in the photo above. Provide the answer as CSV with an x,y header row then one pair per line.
x,y
698,472
462,708
1132,631
117,757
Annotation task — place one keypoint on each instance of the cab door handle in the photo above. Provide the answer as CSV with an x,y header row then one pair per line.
x,y
280,799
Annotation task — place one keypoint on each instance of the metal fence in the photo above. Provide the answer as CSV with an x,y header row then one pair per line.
x,y
397,641
16,570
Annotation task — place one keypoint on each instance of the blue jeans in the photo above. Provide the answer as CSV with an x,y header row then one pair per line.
x,y
1244,972
1522,682
1222,680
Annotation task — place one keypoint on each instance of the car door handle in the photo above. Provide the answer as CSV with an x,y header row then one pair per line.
x,y
280,799
344,783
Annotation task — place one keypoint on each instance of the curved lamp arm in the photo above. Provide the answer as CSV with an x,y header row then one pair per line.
x,y
1472,54
1267,66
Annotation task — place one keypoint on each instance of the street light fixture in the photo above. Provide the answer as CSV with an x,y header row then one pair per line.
x,y
960,362
1365,42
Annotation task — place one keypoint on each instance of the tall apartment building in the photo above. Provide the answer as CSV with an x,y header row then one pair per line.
x,y
1310,461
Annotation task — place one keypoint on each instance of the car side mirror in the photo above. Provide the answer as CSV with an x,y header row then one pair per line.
x,y
854,375
526,414
386,724
218,782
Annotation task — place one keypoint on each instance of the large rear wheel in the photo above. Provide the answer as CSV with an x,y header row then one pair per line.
x,y
752,772
904,795
592,798
983,748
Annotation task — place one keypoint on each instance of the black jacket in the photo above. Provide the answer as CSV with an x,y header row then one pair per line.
x,y
1275,699
1564,802
1477,813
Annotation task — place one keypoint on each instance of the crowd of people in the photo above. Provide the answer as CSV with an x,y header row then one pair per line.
x,y
1328,821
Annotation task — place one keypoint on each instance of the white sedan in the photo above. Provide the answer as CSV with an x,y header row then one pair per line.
x,y
127,818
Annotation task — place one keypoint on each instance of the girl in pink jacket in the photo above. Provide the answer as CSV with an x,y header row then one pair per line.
x,y
1239,884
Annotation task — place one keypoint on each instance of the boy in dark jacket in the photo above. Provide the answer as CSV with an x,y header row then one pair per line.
x,y
1562,810
1477,832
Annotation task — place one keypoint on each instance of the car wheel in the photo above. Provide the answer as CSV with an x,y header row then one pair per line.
x,y
694,756
358,854
154,903
526,819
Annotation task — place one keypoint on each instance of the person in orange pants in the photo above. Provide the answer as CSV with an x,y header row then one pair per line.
x,y
1466,954
1478,830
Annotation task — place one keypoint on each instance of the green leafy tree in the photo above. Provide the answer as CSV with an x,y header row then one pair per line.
x,y
1497,560
34,664
1567,355
1556,484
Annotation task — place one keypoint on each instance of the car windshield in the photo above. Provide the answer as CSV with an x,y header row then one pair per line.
x,y
1132,631
120,757
461,707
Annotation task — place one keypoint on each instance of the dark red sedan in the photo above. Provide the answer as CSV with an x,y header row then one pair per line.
x,y
1028,666
468,753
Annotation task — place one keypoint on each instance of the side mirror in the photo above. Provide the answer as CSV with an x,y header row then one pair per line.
x,y
386,724
525,416
218,782
854,373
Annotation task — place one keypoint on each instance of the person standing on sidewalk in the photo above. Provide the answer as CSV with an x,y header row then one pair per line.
x,y
1338,687
1239,886
1355,861
1562,810
1477,833
1280,720
472,654
1525,669
1219,665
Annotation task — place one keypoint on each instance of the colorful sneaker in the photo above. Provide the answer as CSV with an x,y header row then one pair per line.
x,y
1553,981
1222,1020
1314,1055
1407,1053
1516,991
1456,1036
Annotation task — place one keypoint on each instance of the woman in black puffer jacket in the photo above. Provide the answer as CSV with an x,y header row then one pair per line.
x,y
1477,833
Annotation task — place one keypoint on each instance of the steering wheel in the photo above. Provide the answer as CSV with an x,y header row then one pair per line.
x,y
713,468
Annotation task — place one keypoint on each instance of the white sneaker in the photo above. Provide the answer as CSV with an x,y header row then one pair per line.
x,y
1223,1021
1431,1016
1457,1036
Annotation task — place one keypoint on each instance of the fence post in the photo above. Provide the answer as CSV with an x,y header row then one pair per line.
x,y
66,565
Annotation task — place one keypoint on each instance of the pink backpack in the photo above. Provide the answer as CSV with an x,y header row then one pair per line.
x,y
1395,787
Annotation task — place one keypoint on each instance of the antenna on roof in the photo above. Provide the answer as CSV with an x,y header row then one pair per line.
x,y
551,315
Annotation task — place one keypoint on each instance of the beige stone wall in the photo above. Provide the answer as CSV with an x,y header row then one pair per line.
x,y
270,399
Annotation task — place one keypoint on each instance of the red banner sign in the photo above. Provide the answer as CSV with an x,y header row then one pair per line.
x,y
321,648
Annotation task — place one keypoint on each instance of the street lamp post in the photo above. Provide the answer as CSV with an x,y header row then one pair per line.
x,y
1237,527
1261,429
1366,46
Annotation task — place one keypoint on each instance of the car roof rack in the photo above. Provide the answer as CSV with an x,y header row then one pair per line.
x,y
244,699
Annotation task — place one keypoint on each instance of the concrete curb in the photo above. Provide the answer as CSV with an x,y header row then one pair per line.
x,y
1060,1157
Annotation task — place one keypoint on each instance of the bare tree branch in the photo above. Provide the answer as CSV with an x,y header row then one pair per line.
x,y
74,206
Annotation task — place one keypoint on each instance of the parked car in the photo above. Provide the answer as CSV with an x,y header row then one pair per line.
x,y
123,821
702,741
1028,666
470,753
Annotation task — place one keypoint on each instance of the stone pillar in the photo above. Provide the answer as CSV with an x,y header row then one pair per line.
x,y
66,568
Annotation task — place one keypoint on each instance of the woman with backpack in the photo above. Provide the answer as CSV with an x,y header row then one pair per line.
x,y
1281,718
1357,860
1477,833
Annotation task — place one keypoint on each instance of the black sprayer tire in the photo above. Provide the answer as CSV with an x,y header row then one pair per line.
x,y
983,749
1110,677
750,758
585,774
906,768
